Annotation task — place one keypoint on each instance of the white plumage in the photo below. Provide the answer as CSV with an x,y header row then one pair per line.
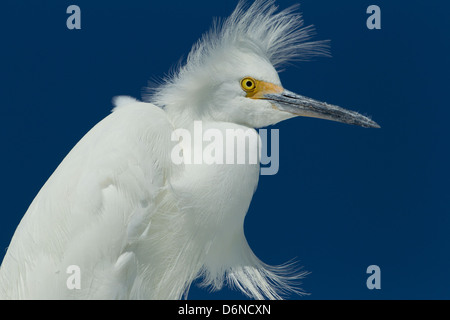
x,y
141,227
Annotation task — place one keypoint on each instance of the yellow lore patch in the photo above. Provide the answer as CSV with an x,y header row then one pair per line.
x,y
256,89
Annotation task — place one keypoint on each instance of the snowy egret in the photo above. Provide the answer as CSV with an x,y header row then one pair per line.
x,y
122,221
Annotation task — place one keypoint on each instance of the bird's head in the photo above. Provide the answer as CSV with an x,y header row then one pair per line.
x,y
231,73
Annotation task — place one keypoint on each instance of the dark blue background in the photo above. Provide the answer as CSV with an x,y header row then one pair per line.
x,y
344,198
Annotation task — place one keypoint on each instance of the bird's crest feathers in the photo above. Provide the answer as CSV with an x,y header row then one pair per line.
x,y
259,29
279,36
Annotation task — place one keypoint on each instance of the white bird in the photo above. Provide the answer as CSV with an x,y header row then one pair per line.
x,y
138,226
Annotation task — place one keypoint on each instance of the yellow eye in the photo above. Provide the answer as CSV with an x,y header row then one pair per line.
x,y
248,84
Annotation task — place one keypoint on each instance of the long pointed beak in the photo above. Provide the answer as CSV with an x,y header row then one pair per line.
x,y
307,107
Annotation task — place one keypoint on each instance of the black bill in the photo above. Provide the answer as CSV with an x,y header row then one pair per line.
x,y
307,107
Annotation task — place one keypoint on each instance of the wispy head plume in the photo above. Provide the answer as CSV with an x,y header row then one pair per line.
x,y
281,36
278,36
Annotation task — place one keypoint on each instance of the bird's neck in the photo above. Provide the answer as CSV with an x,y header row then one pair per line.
x,y
217,177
